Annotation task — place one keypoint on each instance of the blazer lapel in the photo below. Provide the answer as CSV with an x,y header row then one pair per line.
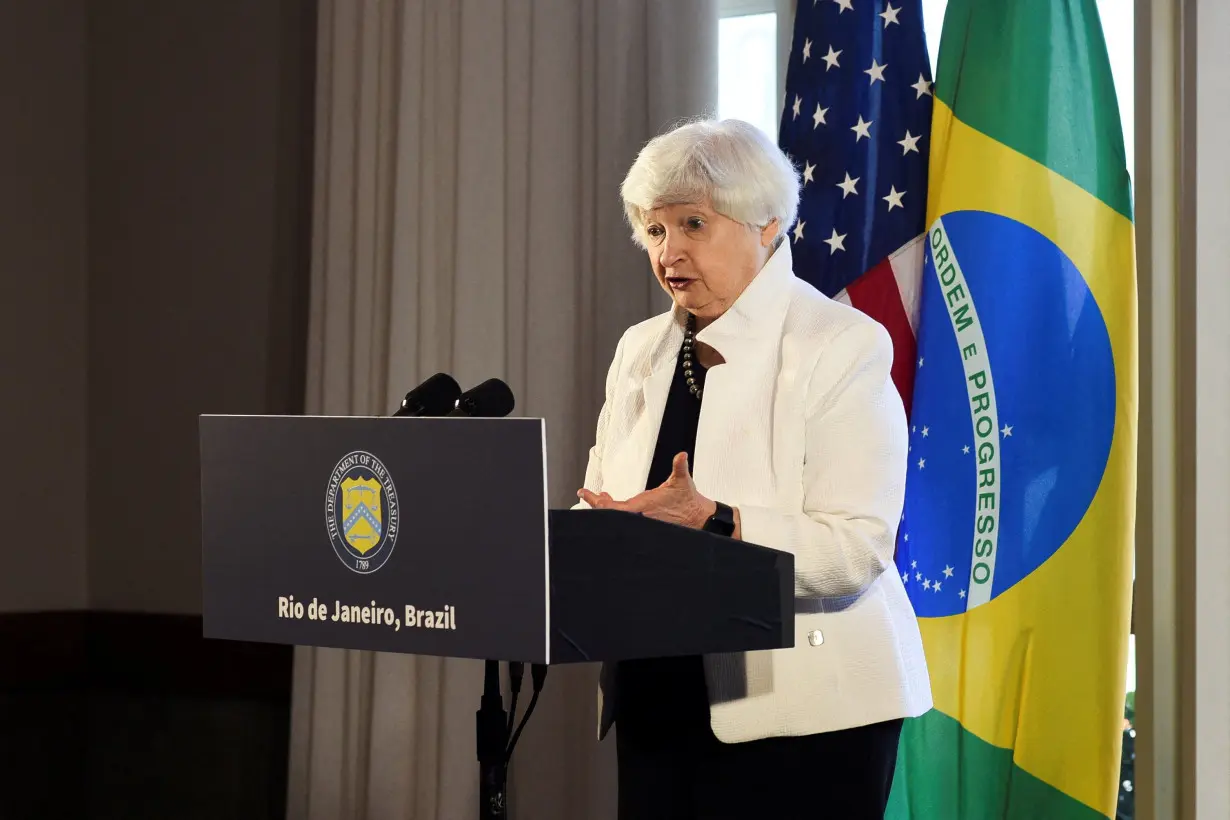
x,y
734,438
629,468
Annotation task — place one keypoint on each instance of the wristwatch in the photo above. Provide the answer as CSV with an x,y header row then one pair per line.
x,y
722,522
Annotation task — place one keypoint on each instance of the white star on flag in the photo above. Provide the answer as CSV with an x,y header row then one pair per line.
x,y
890,15
876,71
798,231
847,185
965,450
922,464
909,144
894,197
961,594
926,431
1007,431
808,171
947,571
923,86
806,50
936,586
818,117
798,103
926,583
836,242
845,6
831,59
863,129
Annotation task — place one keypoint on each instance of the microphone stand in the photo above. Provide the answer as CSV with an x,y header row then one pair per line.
x,y
491,724
496,738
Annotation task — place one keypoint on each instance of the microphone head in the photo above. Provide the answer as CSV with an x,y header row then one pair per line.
x,y
434,397
491,399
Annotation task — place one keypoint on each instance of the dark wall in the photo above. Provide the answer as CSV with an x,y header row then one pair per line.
x,y
43,304
154,255
196,157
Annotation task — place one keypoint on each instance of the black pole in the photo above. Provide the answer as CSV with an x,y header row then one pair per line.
x,y
492,730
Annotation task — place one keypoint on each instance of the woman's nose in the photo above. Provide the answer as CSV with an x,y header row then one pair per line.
x,y
672,250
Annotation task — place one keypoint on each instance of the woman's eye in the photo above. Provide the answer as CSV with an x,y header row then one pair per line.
x,y
695,223
655,231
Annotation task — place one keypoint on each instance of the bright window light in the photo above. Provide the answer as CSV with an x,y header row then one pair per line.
x,y
747,70
1118,29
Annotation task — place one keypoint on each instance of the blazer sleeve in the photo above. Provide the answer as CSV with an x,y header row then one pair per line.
x,y
593,470
854,470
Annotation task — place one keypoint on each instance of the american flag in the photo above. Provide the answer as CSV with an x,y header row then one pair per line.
x,y
857,120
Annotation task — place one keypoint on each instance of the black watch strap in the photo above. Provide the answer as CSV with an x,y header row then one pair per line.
x,y
722,522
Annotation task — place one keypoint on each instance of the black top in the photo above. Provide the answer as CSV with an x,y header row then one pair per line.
x,y
666,697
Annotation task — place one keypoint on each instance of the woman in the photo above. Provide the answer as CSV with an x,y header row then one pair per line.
x,y
760,409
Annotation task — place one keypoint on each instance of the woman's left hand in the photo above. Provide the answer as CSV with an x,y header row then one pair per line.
x,y
676,500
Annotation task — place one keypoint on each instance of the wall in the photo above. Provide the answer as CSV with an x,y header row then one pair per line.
x,y
1208,749
186,165
43,305
194,144
154,240
1183,554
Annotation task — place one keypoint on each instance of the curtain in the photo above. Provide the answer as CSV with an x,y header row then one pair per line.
x,y
467,219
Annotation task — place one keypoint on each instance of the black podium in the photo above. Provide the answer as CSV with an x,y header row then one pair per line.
x,y
433,536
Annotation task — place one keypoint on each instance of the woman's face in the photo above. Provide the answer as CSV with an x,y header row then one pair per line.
x,y
703,259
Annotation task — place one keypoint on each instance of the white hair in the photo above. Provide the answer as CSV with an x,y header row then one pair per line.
x,y
731,164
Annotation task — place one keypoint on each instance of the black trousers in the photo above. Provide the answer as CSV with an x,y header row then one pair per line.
x,y
671,767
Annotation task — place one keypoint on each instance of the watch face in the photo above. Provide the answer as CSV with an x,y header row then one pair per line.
x,y
721,522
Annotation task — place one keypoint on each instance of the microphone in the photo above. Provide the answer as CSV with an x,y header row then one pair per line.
x,y
491,399
434,397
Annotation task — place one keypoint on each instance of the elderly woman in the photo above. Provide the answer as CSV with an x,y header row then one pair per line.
x,y
759,409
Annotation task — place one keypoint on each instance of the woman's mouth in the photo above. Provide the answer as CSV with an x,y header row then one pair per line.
x,y
679,282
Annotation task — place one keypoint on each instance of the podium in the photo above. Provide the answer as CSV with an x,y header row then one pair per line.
x,y
433,536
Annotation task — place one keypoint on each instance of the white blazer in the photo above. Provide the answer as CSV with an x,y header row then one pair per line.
x,y
802,430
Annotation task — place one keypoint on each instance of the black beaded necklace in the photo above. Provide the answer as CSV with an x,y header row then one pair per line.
x,y
689,336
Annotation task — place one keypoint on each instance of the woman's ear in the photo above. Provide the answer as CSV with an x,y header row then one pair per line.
x,y
769,233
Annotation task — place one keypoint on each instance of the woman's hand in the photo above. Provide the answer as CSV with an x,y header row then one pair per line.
x,y
675,500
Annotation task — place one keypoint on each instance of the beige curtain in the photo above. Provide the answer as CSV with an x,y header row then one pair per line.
x,y
467,219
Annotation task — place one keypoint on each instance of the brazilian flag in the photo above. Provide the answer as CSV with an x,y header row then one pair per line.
x,y
1016,543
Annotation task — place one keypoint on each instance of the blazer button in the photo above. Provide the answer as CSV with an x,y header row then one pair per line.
x,y
815,637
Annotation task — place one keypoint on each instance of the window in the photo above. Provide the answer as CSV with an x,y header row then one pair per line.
x,y
748,63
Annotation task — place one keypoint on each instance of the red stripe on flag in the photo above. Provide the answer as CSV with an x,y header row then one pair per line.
x,y
875,293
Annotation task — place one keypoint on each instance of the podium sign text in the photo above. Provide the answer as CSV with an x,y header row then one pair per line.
x,y
423,536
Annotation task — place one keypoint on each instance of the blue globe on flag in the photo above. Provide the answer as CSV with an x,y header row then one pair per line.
x,y
1013,412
